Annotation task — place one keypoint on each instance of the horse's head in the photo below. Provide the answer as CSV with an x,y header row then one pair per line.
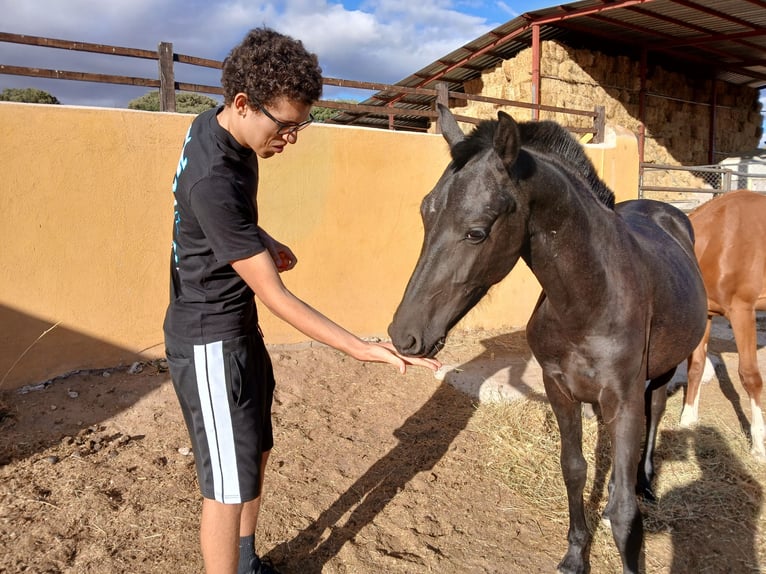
x,y
475,230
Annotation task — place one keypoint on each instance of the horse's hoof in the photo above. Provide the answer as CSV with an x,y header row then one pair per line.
x,y
568,566
688,420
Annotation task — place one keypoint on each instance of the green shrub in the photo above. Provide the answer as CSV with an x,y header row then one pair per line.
x,y
186,102
27,96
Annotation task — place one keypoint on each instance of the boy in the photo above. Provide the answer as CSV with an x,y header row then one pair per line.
x,y
220,368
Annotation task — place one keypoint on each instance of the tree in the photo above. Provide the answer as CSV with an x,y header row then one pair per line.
x,y
186,102
323,115
28,96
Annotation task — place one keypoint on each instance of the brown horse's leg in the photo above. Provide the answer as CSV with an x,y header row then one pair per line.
x,y
695,370
574,469
624,417
743,324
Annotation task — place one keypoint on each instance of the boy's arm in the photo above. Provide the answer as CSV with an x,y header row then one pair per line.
x,y
260,273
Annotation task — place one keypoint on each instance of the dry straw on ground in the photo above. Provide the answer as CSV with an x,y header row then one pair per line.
x,y
707,481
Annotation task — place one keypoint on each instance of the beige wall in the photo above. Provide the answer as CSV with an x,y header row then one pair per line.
x,y
85,221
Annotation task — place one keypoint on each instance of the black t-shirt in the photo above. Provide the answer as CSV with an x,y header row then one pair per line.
x,y
215,222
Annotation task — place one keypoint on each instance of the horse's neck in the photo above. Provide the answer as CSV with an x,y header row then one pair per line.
x,y
568,235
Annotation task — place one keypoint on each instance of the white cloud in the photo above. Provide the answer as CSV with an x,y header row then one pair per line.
x,y
375,40
387,42
506,9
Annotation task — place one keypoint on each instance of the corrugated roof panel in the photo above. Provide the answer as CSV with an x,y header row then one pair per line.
x,y
697,32
648,22
720,15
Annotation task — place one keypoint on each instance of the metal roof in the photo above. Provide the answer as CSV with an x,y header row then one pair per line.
x,y
723,39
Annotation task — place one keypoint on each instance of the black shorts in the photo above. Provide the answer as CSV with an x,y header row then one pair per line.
x,y
225,390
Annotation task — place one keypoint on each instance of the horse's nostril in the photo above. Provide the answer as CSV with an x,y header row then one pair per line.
x,y
408,345
412,346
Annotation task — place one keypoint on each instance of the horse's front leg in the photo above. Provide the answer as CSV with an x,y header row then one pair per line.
x,y
574,469
624,416
655,400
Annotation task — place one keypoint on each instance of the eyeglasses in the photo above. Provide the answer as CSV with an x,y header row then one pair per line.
x,y
283,128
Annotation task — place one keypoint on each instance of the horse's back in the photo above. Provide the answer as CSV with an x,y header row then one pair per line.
x,y
730,246
653,221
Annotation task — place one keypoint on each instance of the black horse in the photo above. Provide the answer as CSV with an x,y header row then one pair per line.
x,y
623,301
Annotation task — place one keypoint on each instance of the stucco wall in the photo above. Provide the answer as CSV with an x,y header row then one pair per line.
x,y
85,221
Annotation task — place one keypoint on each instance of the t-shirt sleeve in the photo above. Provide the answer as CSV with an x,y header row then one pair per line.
x,y
228,218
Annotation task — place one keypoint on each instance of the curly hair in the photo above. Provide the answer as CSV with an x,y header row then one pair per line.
x,y
268,66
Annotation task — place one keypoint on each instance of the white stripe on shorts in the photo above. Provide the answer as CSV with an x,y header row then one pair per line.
x,y
211,385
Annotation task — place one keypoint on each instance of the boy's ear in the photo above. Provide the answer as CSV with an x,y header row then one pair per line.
x,y
240,103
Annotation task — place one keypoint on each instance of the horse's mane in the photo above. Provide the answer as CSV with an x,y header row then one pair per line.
x,y
542,136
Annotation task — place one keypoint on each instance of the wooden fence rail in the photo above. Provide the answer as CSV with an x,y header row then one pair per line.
x,y
168,86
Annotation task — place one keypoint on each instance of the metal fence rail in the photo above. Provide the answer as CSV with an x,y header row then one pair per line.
x,y
392,109
689,186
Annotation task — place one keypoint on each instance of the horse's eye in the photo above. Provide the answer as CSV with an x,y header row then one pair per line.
x,y
476,235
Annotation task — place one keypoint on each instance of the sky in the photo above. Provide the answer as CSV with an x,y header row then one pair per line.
x,y
370,40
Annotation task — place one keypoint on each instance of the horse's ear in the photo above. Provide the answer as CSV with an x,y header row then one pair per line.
x,y
450,130
507,138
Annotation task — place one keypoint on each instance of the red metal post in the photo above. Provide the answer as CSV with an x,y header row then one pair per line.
x,y
536,71
642,108
713,119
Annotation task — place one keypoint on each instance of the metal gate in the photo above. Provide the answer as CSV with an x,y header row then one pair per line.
x,y
689,186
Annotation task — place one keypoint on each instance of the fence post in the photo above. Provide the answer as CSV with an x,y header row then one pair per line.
x,y
167,79
599,125
442,97
726,184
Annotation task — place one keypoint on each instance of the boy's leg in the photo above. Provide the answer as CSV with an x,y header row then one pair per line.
x,y
225,392
219,536
248,521
221,527
248,524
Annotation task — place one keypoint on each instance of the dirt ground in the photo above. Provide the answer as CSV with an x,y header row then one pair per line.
x,y
372,472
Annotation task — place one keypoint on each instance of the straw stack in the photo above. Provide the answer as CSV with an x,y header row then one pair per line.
x,y
677,113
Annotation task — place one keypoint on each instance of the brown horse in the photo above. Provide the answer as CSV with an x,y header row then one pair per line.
x,y
730,246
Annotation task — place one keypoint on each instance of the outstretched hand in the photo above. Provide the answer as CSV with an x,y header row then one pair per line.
x,y
386,353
